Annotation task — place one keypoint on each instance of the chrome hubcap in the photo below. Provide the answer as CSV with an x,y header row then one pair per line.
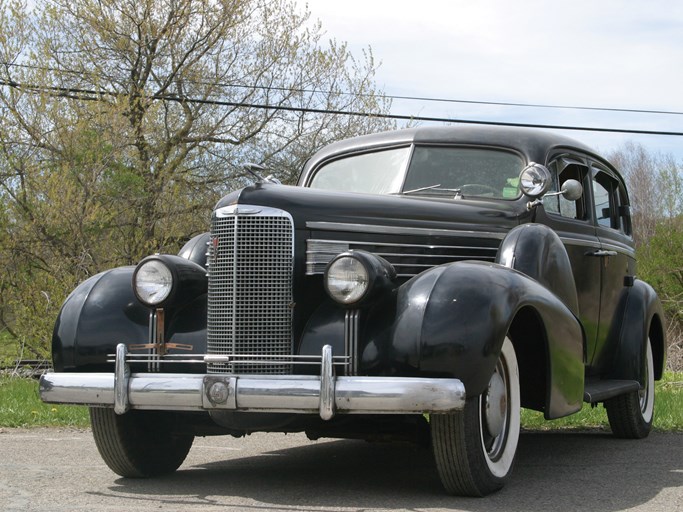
x,y
496,405
643,394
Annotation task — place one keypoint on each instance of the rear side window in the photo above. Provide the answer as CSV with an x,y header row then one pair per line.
x,y
610,203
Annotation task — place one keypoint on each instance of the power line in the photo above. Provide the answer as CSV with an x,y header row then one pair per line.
x,y
383,96
539,105
93,95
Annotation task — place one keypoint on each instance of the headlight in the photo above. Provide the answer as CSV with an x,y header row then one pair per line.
x,y
347,280
152,282
535,180
165,280
353,277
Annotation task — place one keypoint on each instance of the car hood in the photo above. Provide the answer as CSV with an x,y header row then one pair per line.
x,y
311,208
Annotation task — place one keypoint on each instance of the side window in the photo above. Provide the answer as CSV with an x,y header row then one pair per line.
x,y
604,214
567,170
624,211
611,210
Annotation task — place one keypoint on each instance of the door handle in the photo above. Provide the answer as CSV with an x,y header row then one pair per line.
x,y
602,253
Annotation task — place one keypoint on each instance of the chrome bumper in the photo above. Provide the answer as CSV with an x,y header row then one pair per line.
x,y
324,395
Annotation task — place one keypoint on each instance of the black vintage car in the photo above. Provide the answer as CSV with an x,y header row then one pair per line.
x,y
418,284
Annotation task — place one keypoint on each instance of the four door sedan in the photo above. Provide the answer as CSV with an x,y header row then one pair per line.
x,y
420,284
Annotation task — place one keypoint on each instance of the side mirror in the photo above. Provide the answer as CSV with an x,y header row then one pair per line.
x,y
571,190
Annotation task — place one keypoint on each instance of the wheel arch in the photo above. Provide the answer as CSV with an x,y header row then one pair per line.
x,y
551,372
657,335
453,320
528,337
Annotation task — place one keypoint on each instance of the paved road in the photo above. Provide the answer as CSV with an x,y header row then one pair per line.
x,y
53,470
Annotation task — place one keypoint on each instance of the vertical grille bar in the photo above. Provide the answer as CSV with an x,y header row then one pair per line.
x,y
250,287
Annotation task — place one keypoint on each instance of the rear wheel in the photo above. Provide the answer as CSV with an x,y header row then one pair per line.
x,y
475,448
138,444
630,415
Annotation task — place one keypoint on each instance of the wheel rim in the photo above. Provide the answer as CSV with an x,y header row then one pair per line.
x,y
646,395
499,411
495,409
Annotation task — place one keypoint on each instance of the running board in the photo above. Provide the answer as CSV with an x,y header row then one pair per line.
x,y
601,390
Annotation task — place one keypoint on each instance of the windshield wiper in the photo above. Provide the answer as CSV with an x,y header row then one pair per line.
x,y
431,187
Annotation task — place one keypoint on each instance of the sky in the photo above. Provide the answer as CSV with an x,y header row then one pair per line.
x,y
614,54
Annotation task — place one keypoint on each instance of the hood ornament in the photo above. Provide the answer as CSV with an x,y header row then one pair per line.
x,y
255,169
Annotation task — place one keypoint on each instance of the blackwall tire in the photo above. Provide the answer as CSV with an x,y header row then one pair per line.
x,y
630,416
475,448
138,444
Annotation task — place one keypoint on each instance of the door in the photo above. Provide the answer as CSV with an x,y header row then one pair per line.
x,y
573,222
616,254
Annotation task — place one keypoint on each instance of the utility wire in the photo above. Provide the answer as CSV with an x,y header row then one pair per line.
x,y
381,96
537,105
93,95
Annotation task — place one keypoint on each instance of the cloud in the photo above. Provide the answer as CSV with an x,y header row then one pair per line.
x,y
609,53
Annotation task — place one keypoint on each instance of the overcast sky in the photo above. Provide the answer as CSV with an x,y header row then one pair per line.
x,y
591,53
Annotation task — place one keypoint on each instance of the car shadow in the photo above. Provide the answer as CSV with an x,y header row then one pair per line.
x,y
565,471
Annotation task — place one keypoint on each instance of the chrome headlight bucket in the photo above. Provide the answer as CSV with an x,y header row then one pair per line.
x,y
164,279
535,180
353,278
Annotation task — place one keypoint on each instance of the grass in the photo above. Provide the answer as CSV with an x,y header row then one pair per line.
x,y
20,406
668,411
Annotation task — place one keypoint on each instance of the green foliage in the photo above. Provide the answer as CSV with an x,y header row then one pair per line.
x,y
8,351
661,264
20,406
656,193
94,180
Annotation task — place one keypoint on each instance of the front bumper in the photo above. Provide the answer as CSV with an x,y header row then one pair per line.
x,y
325,395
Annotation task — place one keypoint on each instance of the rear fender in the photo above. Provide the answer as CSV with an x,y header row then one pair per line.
x,y
641,316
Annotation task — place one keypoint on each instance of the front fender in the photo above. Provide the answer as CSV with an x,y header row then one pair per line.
x,y
537,251
452,320
98,313
103,311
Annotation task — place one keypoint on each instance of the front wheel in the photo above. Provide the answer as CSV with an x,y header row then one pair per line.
x,y
475,448
138,444
630,415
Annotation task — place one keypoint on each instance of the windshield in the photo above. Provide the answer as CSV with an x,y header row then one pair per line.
x,y
430,171
380,172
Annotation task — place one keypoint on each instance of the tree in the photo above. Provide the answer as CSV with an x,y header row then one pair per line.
x,y
655,185
656,193
123,121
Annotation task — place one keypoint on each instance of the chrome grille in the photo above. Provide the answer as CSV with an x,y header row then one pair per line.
x,y
250,288
408,259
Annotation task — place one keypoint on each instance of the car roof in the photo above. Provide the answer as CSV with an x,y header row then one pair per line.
x,y
533,144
